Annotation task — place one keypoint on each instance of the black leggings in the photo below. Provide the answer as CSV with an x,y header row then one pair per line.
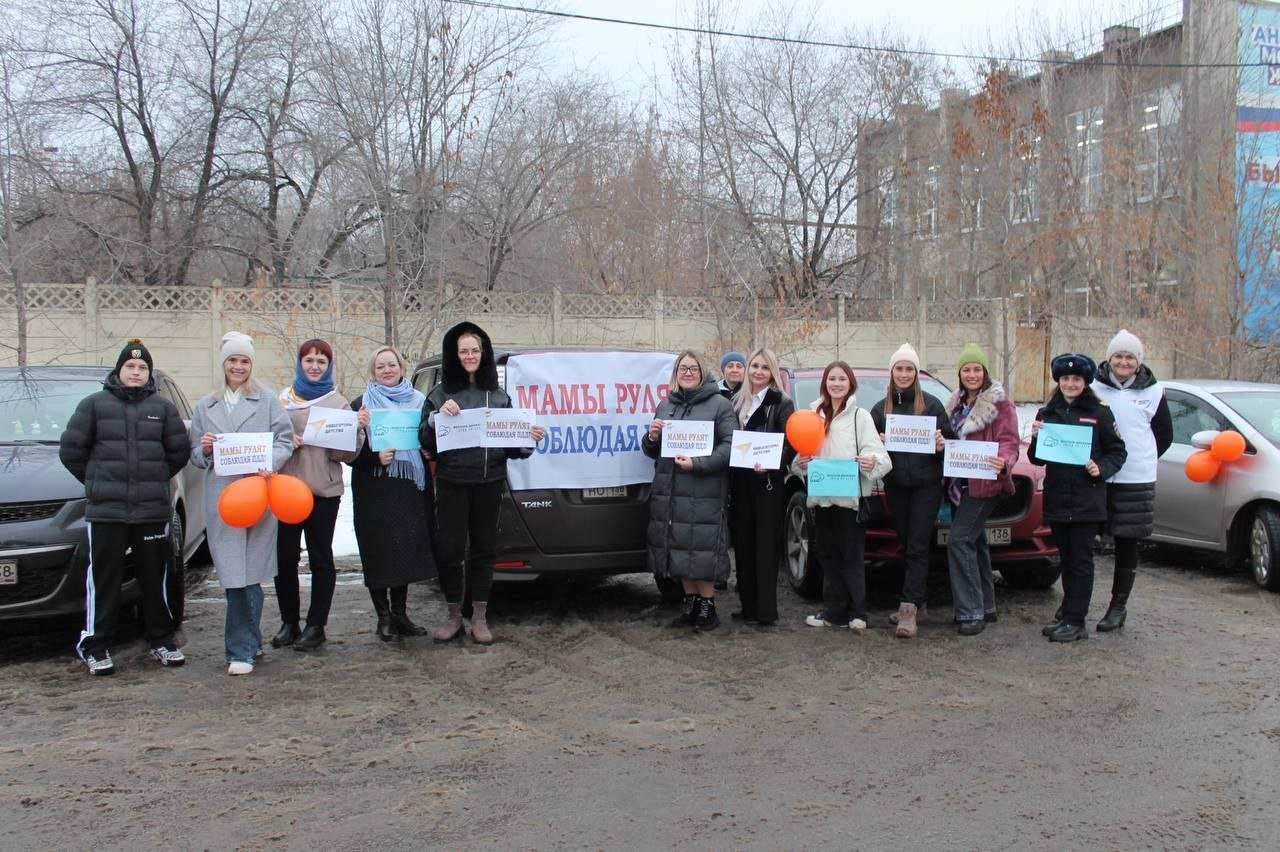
x,y
1126,569
318,528
466,536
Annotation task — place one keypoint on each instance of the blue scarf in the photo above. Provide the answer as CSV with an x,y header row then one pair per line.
x,y
407,464
305,389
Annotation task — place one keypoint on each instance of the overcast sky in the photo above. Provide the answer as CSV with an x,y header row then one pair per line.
x,y
630,54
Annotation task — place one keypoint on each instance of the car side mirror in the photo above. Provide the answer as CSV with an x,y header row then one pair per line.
x,y
1204,440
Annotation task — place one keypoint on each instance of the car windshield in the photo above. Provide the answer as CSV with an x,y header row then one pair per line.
x,y
870,390
1260,408
37,409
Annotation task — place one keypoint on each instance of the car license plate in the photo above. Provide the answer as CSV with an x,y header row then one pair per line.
x,y
8,573
604,493
995,535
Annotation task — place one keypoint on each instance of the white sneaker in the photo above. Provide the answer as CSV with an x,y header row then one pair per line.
x,y
100,665
816,621
857,625
168,656
239,668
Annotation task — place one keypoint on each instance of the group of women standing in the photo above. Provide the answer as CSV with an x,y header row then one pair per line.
x,y
690,529
406,525
395,510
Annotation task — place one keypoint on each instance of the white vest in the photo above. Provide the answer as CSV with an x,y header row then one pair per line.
x,y
1134,410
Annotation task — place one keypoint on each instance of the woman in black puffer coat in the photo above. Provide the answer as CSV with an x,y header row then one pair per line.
x,y
688,534
1075,496
1130,388
914,486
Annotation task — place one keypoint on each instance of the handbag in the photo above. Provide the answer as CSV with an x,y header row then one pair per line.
x,y
870,509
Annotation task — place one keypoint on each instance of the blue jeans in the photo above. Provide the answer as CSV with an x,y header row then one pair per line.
x,y
973,589
244,618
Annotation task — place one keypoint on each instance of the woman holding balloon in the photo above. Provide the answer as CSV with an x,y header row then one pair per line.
x,y
243,547
1075,495
1136,399
321,469
842,430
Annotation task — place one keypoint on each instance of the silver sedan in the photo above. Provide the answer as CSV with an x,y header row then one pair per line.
x,y
1237,512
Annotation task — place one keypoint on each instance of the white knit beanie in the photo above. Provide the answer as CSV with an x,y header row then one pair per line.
x,y
237,343
905,353
1125,341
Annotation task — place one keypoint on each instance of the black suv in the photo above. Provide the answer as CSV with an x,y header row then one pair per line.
x,y
44,543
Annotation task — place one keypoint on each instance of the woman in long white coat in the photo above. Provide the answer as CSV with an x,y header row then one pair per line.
x,y
244,558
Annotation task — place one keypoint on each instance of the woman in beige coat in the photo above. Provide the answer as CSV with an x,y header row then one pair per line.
x,y
321,469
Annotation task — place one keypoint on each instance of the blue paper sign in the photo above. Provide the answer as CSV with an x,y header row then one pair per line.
x,y
834,478
1056,442
393,429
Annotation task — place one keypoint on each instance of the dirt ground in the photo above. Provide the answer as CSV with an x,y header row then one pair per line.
x,y
591,724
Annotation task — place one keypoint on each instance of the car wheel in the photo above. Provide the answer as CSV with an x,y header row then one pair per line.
x,y
1039,574
1262,547
802,572
176,573
669,588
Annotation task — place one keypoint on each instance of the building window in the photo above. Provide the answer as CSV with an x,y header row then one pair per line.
x,y
1024,192
888,186
1159,116
1084,138
971,201
927,220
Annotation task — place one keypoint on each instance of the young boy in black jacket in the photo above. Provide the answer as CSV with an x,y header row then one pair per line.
x,y
125,443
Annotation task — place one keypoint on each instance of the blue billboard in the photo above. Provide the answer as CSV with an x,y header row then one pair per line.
x,y
1258,167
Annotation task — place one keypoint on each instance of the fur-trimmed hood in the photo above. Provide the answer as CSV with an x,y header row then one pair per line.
x,y
452,374
984,410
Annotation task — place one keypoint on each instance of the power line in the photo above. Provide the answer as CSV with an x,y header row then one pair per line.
x,y
903,51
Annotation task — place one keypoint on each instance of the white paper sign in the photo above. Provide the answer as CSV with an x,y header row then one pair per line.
x,y
459,431
757,448
692,438
509,427
332,428
905,433
968,459
238,453
595,407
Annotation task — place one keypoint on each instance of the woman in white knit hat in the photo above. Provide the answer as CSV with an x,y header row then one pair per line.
x,y
244,558
914,486
1137,400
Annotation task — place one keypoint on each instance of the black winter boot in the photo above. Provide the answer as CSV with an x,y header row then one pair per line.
x,y
688,611
1114,619
705,618
386,628
311,639
400,615
286,635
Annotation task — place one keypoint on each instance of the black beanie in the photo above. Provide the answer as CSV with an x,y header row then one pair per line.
x,y
133,349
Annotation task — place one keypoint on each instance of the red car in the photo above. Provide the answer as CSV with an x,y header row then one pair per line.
x,y
1021,546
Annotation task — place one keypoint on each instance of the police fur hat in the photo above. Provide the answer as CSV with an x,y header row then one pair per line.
x,y
1073,364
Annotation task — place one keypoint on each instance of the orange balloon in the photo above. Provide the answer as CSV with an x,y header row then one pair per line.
x,y
290,498
1202,466
243,502
1227,446
805,432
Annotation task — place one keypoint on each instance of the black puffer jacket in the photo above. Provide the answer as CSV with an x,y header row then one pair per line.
x,y
1071,495
473,465
688,526
125,444
913,470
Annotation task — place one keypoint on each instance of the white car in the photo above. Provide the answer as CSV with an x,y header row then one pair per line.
x,y
1238,511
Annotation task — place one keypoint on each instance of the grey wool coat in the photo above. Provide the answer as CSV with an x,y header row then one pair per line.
x,y
688,533
242,557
